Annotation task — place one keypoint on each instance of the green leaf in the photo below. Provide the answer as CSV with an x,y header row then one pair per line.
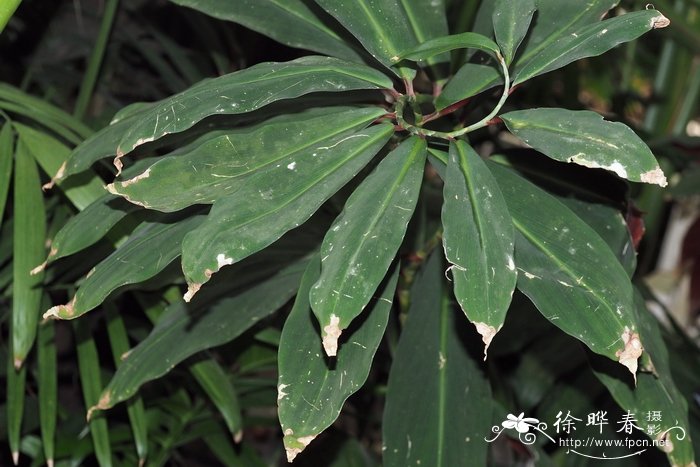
x,y
28,251
386,27
438,404
275,201
570,273
465,40
51,154
245,91
119,343
218,386
589,41
89,226
470,80
184,330
6,153
103,143
149,249
609,223
16,380
510,24
311,392
653,392
91,384
584,138
47,386
479,240
290,22
217,165
363,241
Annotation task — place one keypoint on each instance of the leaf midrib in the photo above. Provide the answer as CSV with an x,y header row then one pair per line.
x,y
379,214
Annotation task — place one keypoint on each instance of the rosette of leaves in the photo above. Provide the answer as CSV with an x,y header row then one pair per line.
x,y
226,168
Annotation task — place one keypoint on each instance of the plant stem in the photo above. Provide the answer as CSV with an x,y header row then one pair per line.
x,y
93,69
417,130
7,9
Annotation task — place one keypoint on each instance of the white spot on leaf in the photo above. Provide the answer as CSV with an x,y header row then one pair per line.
x,y
331,333
631,352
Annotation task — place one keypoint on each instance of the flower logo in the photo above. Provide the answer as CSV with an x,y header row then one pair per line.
x,y
519,423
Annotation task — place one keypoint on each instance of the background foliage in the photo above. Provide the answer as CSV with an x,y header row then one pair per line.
x,y
237,376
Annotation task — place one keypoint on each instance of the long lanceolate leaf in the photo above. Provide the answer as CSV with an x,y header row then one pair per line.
x,y
248,90
182,332
6,155
363,241
218,165
235,93
16,382
91,384
570,273
28,251
47,388
151,247
479,240
290,22
584,138
306,409
589,41
387,27
275,201
426,419
218,386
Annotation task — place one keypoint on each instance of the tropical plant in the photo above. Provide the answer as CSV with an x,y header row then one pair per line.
x,y
317,180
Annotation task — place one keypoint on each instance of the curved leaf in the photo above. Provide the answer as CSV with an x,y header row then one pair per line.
x,y
363,241
479,240
217,385
465,40
149,249
247,90
218,164
590,41
184,330
510,24
7,143
570,273
470,80
385,27
89,226
583,137
290,22
29,236
275,201
310,393
51,154
426,419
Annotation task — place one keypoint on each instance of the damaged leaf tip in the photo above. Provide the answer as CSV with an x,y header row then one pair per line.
x,y
192,289
103,404
655,177
631,352
487,333
331,333
294,446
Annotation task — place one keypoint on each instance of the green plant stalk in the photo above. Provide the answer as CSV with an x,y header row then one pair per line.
x,y
420,131
93,70
7,9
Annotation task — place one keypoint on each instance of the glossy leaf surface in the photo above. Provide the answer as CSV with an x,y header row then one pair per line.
x,y
311,390
363,241
569,272
584,138
426,419
275,201
218,164
478,239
